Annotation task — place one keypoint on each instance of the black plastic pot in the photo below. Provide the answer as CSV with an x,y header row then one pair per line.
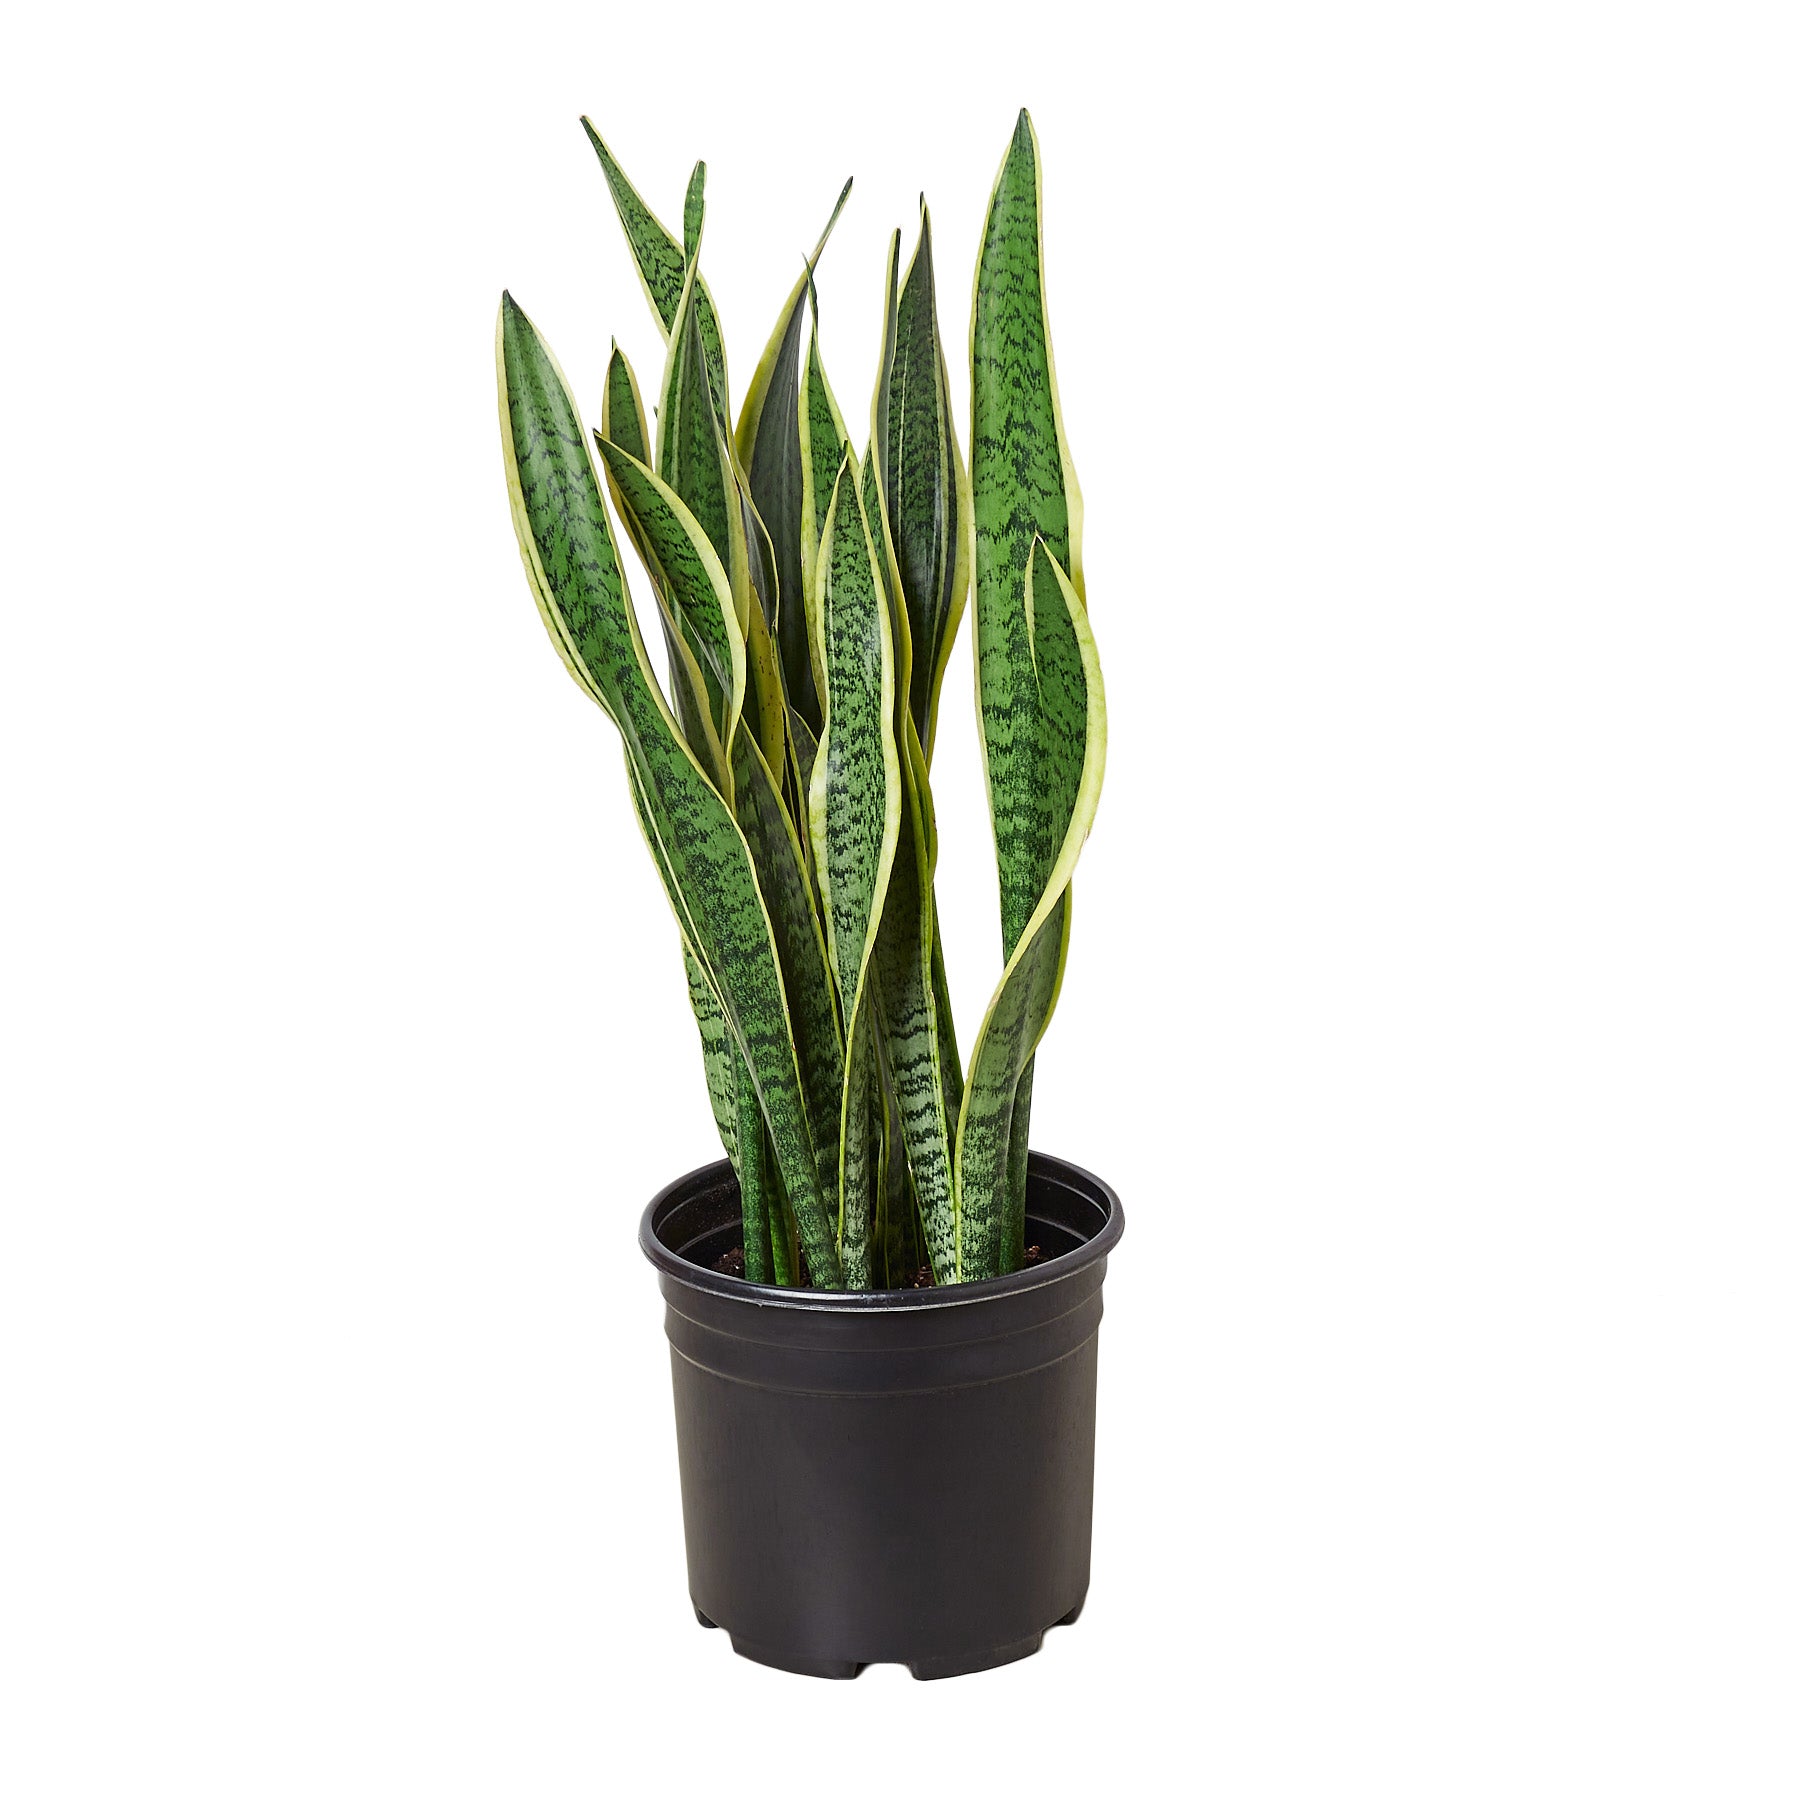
x,y
904,1476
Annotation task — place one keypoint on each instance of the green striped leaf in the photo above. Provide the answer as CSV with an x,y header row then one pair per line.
x,y
622,408
661,259
688,578
1022,488
691,454
787,891
823,443
855,806
684,566
988,1127
717,1050
736,1113
896,1217
769,451
708,875
923,481
916,1044
876,513
915,1041
803,751
694,457
1067,713
693,214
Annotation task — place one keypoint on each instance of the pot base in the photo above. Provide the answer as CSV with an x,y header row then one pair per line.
x,y
924,1668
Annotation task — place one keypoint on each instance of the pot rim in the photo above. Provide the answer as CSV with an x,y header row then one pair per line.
x,y
1042,1166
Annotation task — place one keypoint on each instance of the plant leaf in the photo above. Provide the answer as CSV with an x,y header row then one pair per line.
x,y
1023,488
693,214
823,445
787,891
914,1041
855,812
708,875
923,480
622,408
736,1113
768,447
1022,491
1067,715
661,260
687,575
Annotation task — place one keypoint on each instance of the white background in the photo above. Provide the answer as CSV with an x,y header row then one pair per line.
x,y
1434,378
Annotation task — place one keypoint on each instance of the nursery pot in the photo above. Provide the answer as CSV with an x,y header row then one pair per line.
x,y
900,1476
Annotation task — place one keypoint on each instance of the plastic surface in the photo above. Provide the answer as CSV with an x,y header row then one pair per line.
x,y
902,1476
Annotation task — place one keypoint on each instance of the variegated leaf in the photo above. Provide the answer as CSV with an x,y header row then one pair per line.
x,y
768,447
709,877
662,261
855,806
1066,708
924,483
687,575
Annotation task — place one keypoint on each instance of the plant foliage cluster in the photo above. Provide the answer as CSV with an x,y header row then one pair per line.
x,y
808,598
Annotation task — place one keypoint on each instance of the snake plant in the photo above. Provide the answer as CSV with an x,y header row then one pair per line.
x,y
808,597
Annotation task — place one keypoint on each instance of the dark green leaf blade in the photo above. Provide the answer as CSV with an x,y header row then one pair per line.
x,y
1023,488
661,259
1069,720
622,408
575,576
855,821
688,577
768,446
786,887
924,483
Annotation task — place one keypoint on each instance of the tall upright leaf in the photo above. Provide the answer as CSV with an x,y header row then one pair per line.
x,y
694,457
768,447
573,568
823,444
683,565
855,807
923,480
1023,491
787,890
686,570
693,213
1068,715
1023,488
622,408
661,258
916,1042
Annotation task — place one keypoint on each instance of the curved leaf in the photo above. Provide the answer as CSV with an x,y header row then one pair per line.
x,y
575,576
661,259
693,213
686,570
1068,716
786,887
823,445
1023,488
855,813
622,408
768,447
923,480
